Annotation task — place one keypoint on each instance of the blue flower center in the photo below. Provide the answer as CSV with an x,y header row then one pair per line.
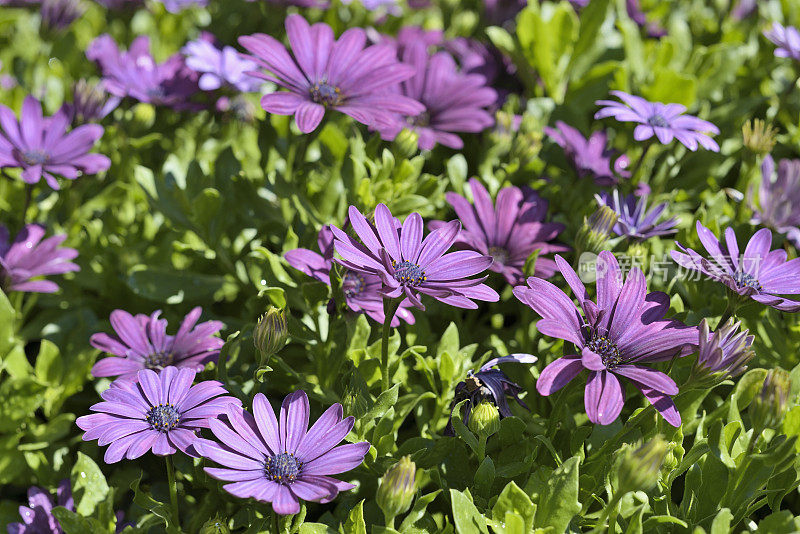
x,y
499,254
156,93
35,157
158,360
163,417
657,121
606,349
353,284
408,274
423,119
326,94
743,280
282,468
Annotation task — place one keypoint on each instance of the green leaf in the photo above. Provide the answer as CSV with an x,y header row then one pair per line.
x,y
418,511
161,510
49,363
722,522
7,321
355,521
383,403
72,523
316,528
558,504
516,502
89,486
671,86
166,284
467,518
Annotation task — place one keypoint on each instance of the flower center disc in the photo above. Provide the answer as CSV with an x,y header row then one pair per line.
x,y
282,468
658,121
353,284
743,280
325,94
499,254
35,157
408,274
423,119
163,417
158,360
606,349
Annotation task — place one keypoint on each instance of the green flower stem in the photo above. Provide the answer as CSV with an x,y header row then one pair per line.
x,y
609,513
28,197
388,520
638,165
389,309
482,438
730,309
173,492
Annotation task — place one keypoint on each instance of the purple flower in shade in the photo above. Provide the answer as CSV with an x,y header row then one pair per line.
x,y
161,412
638,16
759,274
90,102
613,338
744,9
372,5
142,343
120,4
665,121
220,67
787,40
454,102
37,517
174,6
41,146
408,265
500,11
330,74
634,220
725,352
361,290
282,462
590,157
509,231
779,198
136,74
59,14
490,385
29,257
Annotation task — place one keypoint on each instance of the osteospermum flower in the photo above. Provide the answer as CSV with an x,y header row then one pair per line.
x,y
28,257
175,6
136,74
634,220
618,336
220,67
59,14
142,343
37,517
409,266
488,384
725,352
786,39
638,16
324,74
665,121
779,198
590,157
361,290
759,274
282,460
161,412
90,102
42,147
454,102
508,231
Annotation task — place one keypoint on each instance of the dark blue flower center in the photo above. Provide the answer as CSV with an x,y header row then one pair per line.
x,y
156,93
163,417
282,468
326,94
499,254
657,121
158,360
743,280
408,274
35,157
606,349
353,284
423,119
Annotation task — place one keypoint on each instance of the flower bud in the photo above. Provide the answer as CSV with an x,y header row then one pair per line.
x,y
594,233
144,115
758,136
270,333
215,526
484,420
723,353
769,405
406,143
397,488
640,467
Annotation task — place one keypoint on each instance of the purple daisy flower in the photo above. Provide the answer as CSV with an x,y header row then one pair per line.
x,y
665,121
175,6
120,4
282,462
614,338
408,265
161,412
759,274
28,257
330,74
490,385
90,102
500,11
37,517
361,290
590,157
779,198
634,220
136,74
744,9
41,146
640,18
60,14
220,67
453,102
509,231
142,343
725,352
787,40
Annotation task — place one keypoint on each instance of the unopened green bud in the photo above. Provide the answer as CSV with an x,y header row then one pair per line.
x,y
270,333
640,466
769,405
406,143
758,136
397,488
484,420
215,526
144,115
593,235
